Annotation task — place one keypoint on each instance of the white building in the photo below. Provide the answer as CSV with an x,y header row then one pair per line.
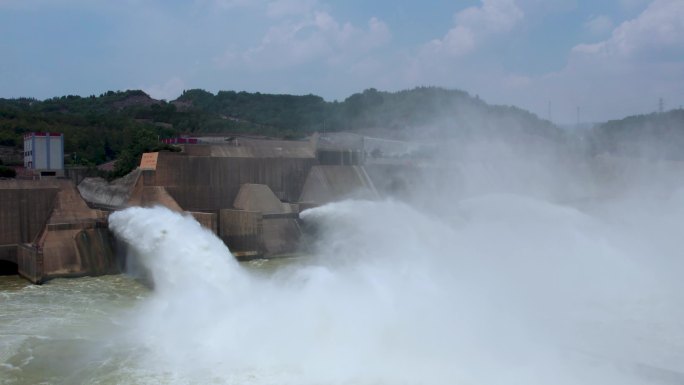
x,y
44,153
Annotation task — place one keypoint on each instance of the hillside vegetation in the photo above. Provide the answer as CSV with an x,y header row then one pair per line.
x,y
656,136
121,125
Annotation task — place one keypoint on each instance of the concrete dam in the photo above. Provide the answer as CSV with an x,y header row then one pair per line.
x,y
247,191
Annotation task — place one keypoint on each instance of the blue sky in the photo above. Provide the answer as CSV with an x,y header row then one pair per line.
x,y
610,58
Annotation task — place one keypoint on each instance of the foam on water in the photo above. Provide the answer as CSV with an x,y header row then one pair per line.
x,y
507,289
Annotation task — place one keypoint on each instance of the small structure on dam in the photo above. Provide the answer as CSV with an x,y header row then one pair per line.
x,y
44,153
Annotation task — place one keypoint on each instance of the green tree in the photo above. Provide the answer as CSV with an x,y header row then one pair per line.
x,y
7,172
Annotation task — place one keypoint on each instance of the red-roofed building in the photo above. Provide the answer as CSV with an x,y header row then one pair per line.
x,y
180,140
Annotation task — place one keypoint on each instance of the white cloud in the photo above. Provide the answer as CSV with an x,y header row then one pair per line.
x,y
492,17
656,32
473,25
452,60
458,41
599,25
641,60
314,36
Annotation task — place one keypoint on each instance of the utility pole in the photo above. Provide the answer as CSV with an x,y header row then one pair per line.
x,y
661,105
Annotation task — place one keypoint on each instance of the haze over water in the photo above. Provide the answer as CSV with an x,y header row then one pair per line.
x,y
502,268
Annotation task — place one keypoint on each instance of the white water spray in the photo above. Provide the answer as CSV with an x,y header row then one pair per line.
x,y
509,290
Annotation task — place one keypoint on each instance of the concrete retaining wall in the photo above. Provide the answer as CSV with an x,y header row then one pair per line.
x,y
24,210
78,173
242,231
280,236
30,263
8,253
258,197
96,251
60,254
99,193
207,220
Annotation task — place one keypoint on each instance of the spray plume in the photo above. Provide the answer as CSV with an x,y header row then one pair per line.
x,y
508,289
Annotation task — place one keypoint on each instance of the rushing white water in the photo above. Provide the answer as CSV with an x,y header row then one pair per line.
x,y
503,290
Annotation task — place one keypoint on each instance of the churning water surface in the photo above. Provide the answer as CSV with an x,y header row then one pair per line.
x,y
499,289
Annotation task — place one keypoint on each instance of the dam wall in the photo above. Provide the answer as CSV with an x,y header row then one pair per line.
x,y
212,183
253,234
247,191
209,221
238,188
326,184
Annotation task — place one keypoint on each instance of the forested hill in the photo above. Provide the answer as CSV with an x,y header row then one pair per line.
x,y
121,124
657,135
292,115
418,108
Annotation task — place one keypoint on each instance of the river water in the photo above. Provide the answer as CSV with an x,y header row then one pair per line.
x,y
509,291
69,331
62,332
